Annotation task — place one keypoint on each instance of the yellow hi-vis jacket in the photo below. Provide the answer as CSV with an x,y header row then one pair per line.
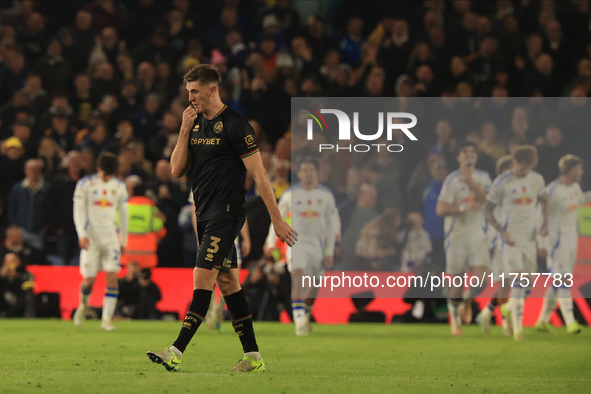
x,y
146,228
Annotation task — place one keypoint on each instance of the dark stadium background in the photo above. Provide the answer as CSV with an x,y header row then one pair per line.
x,y
92,76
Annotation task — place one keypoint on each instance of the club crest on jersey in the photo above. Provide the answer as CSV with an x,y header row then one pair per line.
x,y
217,128
249,140
114,193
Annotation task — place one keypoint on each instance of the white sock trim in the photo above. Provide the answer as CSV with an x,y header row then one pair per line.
x,y
255,355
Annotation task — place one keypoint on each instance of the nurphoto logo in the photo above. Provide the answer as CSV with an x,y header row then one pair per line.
x,y
391,120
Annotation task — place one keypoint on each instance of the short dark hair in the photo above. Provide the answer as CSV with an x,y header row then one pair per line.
x,y
526,154
311,160
203,73
139,190
108,162
465,144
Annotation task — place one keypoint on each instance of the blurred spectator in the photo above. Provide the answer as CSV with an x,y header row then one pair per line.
x,y
485,162
125,70
550,151
229,20
82,100
15,288
352,41
287,17
106,13
60,209
83,36
21,129
354,215
519,126
543,77
433,224
146,78
144,120
154,49
13,74
12,164
194,55
34,37
52,156
104,81
484,64
421,175
16,109
149,295
97,140
491,145
146,229
16,244
128,99
54,69
279,177
378,241
417,244
37,95
140,165
87,161
124,134
26,204
261,291
164,187
444,139
60,104
170,126
128,291
189,237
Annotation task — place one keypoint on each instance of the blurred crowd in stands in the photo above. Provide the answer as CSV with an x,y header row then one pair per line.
x,y
80,77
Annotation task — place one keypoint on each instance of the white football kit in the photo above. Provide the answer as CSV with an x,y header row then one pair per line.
x,y
563,222
465,233
95,206
315,218
495,244
518,198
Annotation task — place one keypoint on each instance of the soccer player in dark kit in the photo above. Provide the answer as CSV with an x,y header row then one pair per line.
x,y
215,149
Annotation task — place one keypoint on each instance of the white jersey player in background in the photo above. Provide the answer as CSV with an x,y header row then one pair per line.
x,y
518,191
461,200
314,216
97,199
564,196
496,259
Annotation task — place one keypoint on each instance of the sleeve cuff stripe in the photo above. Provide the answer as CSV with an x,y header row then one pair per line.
x,y
252,152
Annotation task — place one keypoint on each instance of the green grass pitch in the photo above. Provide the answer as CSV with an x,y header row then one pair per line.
x,y
52,356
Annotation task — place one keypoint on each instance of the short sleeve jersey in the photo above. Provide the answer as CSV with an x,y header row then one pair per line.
x,y
467,226
518,198
217,172
564,215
